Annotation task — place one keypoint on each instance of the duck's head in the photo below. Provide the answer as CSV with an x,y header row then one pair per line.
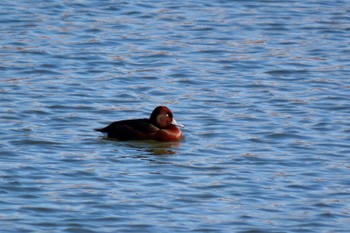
x,y
162,117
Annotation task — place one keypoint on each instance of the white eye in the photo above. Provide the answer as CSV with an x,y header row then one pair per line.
x,y
167,115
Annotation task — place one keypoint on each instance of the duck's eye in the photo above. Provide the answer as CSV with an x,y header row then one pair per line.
x,y
167,115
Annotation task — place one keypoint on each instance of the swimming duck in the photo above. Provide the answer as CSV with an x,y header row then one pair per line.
x,y
161,126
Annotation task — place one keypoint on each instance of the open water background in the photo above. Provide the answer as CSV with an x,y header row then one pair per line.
x,y
263,88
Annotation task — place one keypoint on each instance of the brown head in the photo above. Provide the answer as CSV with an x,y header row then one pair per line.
x,y
162,117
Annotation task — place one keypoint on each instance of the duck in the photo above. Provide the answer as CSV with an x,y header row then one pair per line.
x,y
160,126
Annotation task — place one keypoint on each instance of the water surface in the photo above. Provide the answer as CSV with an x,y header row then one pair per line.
x,y
261,86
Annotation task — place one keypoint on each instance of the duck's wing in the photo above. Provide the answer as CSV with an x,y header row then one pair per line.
x,y
129,129
142,125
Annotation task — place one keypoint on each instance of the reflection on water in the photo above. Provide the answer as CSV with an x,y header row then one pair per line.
x,y
150,146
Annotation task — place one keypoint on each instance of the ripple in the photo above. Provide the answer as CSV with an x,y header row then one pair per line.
x,y
263,93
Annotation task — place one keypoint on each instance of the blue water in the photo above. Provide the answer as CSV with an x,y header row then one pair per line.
x,y
263,88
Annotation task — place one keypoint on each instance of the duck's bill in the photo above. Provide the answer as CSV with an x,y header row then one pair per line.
x,y
177,124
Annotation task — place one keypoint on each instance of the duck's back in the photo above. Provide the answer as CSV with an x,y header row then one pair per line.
x,y
130,130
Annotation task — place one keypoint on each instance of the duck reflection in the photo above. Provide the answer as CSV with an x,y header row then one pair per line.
x,y
156,148
151,147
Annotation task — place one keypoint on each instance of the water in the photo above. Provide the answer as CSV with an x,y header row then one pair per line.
x,y
262,87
